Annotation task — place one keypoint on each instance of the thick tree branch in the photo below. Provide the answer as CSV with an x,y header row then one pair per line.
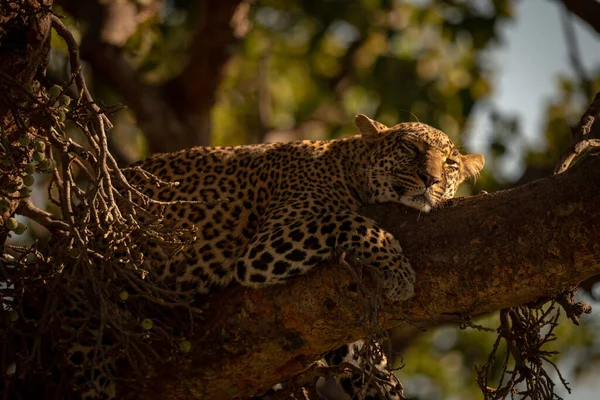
x,y
587,10
476,255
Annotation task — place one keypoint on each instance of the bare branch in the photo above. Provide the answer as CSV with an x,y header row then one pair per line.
x,y
47,220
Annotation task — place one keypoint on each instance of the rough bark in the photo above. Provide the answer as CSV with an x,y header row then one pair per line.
x,y
476,255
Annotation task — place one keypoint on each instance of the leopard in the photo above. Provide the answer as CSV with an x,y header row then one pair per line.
x,y
267,213
363,373
370,379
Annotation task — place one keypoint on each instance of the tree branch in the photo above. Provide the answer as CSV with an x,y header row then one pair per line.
x,y
193,92
587,10
44,218
176,115
474,256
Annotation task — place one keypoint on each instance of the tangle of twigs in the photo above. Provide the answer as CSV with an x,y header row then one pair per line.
x,y
525,332
91,278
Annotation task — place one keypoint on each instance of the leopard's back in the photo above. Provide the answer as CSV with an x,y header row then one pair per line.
x,y
225,194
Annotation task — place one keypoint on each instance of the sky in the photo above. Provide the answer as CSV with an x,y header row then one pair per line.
x,y
533,54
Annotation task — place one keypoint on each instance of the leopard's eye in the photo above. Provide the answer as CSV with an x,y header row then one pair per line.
x,y
410,147
451,162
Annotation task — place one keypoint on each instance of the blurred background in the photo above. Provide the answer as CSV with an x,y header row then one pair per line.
x,y
503,78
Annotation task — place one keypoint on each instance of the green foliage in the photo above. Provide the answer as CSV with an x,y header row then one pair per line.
x,y
326,61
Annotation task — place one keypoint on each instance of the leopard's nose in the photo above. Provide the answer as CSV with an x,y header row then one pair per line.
x,y
428,180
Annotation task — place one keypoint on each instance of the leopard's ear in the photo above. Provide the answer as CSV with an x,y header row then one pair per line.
x,y
369,129
471,165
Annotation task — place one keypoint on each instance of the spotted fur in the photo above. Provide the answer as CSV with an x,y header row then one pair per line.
x,y
268,212
373,380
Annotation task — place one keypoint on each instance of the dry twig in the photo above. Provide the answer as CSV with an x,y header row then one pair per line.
x,y
580,135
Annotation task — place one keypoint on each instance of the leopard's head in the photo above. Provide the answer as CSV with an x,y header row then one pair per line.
x,y
414,164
